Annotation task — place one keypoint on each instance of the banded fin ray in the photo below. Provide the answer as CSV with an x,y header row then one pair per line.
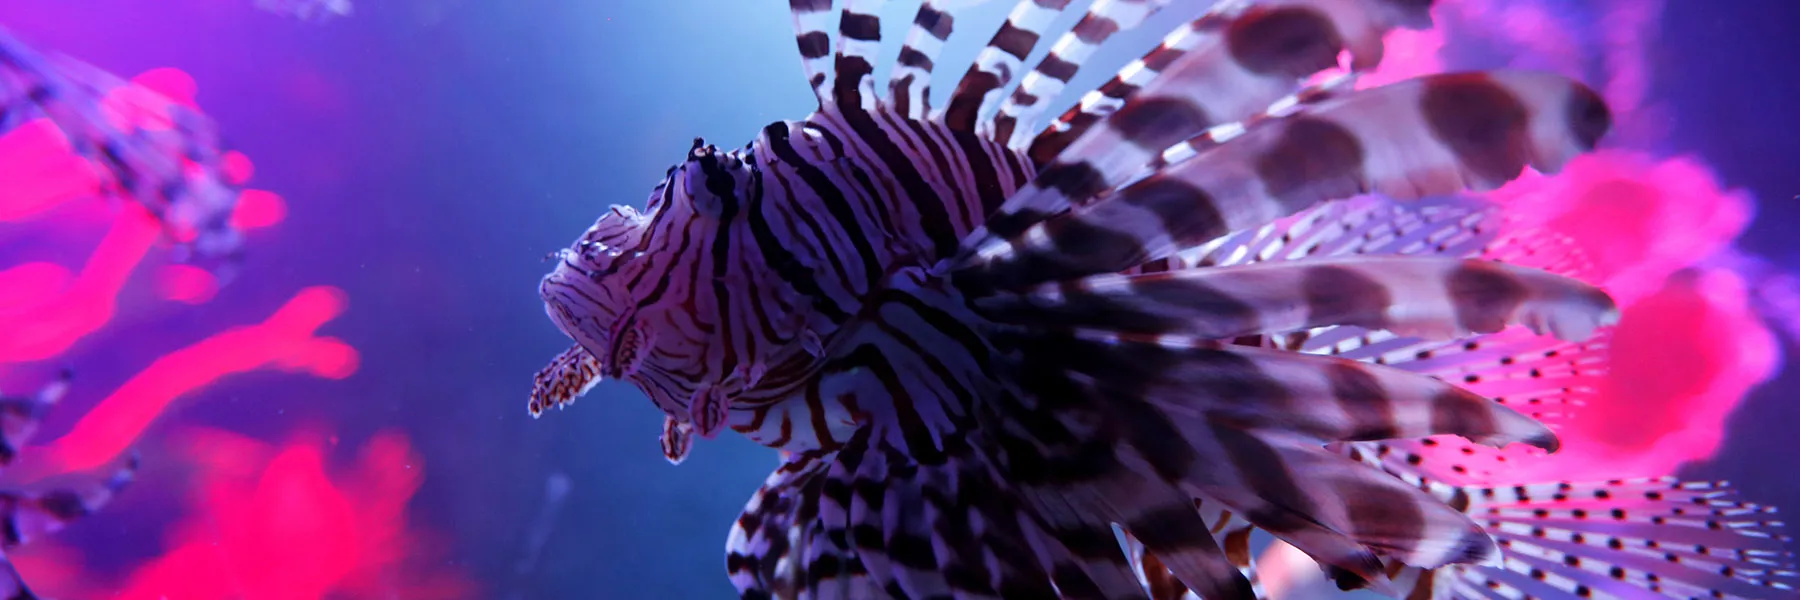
x,y
859,40
1223,68
1100,103
1426,136
1233,534
780,548
1051,74
1322,398
1246,439
812,26
1428,297
909,85
998,63
1543,377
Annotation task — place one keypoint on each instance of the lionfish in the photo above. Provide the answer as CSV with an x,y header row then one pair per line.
x,y
985,347
175,168
27,516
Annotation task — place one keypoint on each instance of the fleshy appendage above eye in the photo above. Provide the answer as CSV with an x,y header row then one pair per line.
x,y
576,294
705,169
608,240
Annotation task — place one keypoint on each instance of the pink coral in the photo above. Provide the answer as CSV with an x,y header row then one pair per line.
x,y
1638,218
1682,359
278,523
1689,346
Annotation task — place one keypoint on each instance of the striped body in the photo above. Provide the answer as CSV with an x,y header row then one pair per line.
x,y
981,349
820,218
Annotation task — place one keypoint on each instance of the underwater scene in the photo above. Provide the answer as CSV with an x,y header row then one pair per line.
x,y
870,299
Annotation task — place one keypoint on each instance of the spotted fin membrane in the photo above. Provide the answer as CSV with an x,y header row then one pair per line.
x,y
1601,539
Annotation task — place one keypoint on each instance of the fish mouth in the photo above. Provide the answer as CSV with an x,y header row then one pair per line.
x,y
629,341
573,304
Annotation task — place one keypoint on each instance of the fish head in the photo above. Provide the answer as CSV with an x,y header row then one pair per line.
x,y
636,289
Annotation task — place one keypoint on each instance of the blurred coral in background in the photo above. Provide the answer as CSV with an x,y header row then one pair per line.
x,y
1688,346
262,521
1648,225
1654,228
272,522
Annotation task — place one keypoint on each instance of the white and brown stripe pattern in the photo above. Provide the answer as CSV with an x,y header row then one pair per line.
x,y
999,63
859,40
1543,377
1233,534
812,33
812,219
1102,102
942,443
1570,541
779,547
1428,136
1018,115
1242,427
1429,297
909,85
1223,68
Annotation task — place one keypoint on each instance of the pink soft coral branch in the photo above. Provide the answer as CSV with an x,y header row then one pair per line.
x,y
273,523
285,341
69,313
